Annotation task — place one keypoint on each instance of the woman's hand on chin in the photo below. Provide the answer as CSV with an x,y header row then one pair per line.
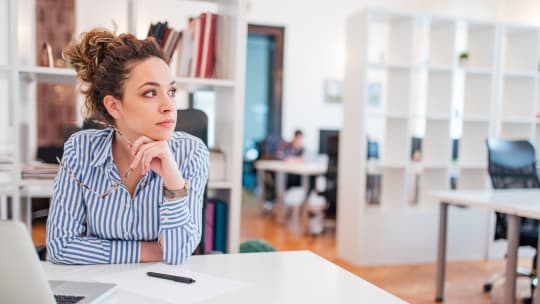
x,y
157,156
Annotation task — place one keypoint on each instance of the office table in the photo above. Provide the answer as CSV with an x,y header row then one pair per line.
x,y
305,169
269,277
514,203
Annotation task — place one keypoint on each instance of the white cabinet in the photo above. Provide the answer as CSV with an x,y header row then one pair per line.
x,y
17,61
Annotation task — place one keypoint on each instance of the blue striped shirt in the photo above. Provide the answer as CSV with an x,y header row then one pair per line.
x,y
83,228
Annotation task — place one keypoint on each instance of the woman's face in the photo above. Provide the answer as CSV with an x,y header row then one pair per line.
x,y
148,107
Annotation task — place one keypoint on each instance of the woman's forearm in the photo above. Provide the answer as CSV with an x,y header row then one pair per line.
x,y
151,252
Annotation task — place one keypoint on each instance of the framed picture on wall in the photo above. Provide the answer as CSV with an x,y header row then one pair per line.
x,y
333,90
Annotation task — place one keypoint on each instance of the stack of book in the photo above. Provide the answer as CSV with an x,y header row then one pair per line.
x,y
39,171
216,223
166,37
195,46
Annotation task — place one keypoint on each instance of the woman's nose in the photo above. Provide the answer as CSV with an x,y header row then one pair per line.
x,y
168,105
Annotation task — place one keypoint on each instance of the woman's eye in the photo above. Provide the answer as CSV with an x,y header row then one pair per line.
x,y
172,92
150,93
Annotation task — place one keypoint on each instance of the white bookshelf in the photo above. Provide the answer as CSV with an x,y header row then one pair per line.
x,y
428,92
135,17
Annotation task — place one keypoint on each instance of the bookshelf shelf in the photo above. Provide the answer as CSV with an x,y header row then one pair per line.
x,y
476,118
438,117
440,68
475,71
434,165
391,66
216,185
46,74
472,166
520,74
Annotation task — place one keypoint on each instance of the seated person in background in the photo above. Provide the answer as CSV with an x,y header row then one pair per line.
x,y
132,192
292,151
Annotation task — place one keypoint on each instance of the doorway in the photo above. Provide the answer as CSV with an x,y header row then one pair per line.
x,y
263,93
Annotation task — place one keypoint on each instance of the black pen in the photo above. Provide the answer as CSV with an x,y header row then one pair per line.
x,y
171,277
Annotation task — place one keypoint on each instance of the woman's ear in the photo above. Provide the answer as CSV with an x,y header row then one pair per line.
x,y
112,105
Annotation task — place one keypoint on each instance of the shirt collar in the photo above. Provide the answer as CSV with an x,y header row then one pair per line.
x,y
103,151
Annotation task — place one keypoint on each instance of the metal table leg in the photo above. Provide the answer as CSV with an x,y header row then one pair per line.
x,y
304,207
441,252
511,263
280,203
260,183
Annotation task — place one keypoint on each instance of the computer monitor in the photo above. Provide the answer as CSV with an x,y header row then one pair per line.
x,y
328,141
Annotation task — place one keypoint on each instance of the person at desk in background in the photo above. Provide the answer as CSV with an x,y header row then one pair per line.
x,y
131,192
293,150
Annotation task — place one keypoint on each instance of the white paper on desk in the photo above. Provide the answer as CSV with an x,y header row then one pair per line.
x,y
204,288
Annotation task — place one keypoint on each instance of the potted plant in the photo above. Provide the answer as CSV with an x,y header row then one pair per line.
x,y
463,58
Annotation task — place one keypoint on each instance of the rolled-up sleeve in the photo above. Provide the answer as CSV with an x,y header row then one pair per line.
x,y
67,242
181,220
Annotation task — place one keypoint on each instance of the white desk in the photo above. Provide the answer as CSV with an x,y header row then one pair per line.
x,y
513,203
303,168
272,277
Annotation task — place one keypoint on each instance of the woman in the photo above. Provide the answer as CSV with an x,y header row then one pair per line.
x,y
132,192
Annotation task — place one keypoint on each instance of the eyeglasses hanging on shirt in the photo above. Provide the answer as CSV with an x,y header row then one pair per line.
x,y
116,184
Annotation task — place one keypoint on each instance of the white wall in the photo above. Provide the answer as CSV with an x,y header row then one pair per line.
x,y
522,11
315,50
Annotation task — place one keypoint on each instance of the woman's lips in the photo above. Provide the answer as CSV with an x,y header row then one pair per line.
x,y
166,123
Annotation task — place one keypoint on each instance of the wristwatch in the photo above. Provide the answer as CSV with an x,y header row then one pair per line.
x,y
174,195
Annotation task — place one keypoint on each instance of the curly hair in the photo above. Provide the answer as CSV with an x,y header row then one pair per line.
x,y
103,61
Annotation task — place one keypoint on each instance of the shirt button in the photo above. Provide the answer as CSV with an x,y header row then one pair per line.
x,y
166,211
166,220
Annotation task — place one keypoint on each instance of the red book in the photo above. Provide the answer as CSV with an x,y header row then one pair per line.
x,y
200,37
196,29
164,38
209,227
211,54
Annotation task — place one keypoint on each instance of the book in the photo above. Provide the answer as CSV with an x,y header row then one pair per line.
x,y
220,225
195,51
46,57
185,52
209,228
210,56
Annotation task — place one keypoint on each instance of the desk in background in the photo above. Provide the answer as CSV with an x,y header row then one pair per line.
x,y
305,169
270,277
515,204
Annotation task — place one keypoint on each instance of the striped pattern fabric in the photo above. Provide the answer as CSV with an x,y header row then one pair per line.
x,y
83,228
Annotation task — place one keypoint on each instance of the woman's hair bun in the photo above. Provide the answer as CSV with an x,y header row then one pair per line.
x,y
87,54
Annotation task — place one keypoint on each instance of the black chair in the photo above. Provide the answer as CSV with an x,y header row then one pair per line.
x,y
512,164
195,122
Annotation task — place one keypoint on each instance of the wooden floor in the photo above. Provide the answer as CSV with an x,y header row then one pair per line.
x,y
413,283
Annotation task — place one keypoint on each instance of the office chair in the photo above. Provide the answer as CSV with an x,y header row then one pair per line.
x,y
195,122
512,164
